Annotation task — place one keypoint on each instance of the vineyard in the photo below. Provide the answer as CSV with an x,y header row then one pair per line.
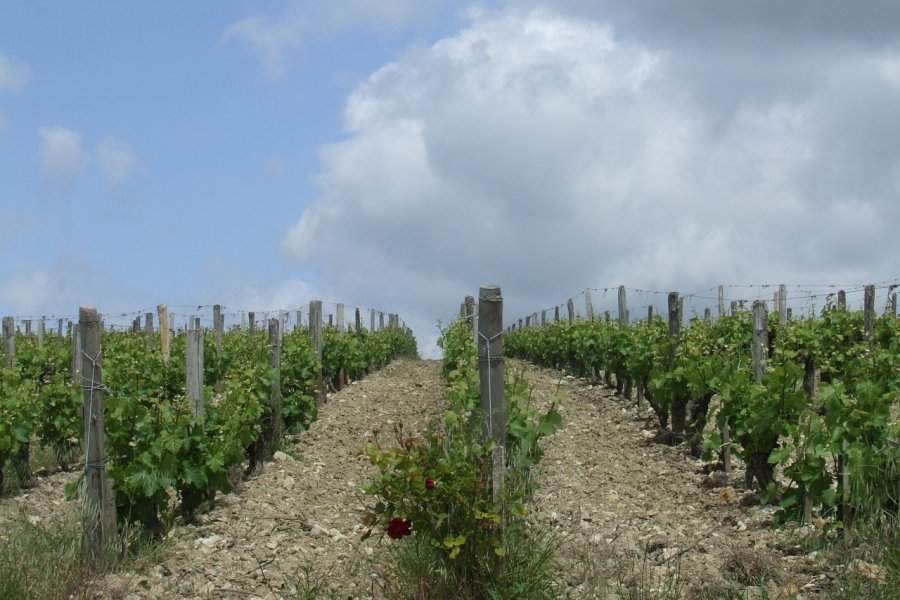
x,y
650,459
169,451
813,396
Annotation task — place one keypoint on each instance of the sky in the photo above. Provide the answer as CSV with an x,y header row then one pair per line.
x,y
398,154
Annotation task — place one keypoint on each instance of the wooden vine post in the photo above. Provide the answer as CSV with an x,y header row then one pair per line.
x,y
251,323
9,341
218,327
41,331
623,387
315,338
194,371
99,515
869,311
570,306
341,325
588,305
721,301
679,405
490,369
276,424
163,312
782,305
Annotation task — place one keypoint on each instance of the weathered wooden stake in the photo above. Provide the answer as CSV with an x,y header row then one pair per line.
x,y
218,326
277,424
650,314
9,341
341,327
490,367
707,315
842,300
163,311
380,320
674,323
721,301
588,305
99,525
315,326
570,306
358,323
148,328
555,314
760,339
623,306
194,372
28,327
59,328
40,332
543,318
251,323
869,310
782,305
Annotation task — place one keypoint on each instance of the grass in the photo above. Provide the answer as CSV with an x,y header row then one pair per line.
x,y
414,569
40,562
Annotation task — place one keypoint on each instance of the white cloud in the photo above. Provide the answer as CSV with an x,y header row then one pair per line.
x,y
278,39
117,160
547,154
273,39
14,76
62,154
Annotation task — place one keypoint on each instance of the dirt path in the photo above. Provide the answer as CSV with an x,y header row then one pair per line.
x,y
296,527
632,514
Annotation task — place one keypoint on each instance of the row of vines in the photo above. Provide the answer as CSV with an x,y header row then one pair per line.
x,y
437,489
824,407
163,461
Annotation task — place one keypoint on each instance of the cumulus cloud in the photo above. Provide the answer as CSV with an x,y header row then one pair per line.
x,y
117,160
62,154
546,152
14,76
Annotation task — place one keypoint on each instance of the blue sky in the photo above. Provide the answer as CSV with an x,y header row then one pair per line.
x,y
398,154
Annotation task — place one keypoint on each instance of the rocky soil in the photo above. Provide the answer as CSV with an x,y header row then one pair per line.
x,y
627,513
640,515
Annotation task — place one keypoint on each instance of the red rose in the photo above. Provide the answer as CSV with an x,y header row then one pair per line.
x,y
398,528
429,484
